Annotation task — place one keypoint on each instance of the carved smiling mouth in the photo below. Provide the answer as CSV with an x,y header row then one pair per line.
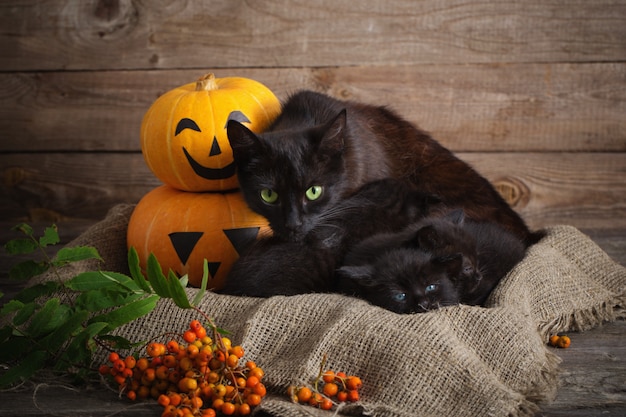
x,y
210,173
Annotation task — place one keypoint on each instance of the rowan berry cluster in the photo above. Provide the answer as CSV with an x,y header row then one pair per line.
x,y
334,386
197,377
560,341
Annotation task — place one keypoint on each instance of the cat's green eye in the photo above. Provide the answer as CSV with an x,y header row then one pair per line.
x,y
314,192
431,288
269,196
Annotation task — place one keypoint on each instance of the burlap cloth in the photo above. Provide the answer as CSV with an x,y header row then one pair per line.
x,y
457,361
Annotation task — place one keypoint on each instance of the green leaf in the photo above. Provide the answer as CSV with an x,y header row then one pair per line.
x,y
56,339
29,294
50,236
48,318
156,277
127,313
21,246
135,270
177,290
95,280
119,342
25,369
205,279
11,307
28,269
24,313
75,254
96,300
24,228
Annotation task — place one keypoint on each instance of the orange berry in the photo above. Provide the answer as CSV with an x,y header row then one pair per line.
x,y
228,409
194,325
241,382
208,412
253,400
175,398
330,389
161,372
232,361
326,404
196,402
252,381
217,404
237,350
342,396
189,336
353,395
130,362
120,379
155,349
131,395
172,346
119,365
142,364
316,399
353,383
104,370
260,389
258,372
113,356
200,333
554,340
304,394
564,342
250,365
244,409
187,384
192,351
329,376
163,400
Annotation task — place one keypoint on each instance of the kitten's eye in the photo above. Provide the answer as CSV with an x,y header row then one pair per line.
x,y
468,270
314,192
269,196
399,296
431,288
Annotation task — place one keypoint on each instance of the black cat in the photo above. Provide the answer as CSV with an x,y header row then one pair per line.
x,y
274,266
320,150
436,262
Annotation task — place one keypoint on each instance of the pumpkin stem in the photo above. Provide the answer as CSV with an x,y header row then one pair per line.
x,y
206,83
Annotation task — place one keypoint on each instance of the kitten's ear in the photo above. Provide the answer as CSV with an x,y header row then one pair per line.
x,y
242,140
332,140
452,264
456,216
362,274
426,238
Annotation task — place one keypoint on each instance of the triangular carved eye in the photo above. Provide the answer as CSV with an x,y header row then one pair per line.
x,y
242,238
215,148
237,116
186,124
184,243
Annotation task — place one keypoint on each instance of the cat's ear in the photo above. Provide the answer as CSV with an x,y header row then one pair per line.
x,y
242,140
456,216
332,139
451,264
426,238
361,274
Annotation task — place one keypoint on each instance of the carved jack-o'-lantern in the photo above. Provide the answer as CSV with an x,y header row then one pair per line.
x,y
183,228
183,133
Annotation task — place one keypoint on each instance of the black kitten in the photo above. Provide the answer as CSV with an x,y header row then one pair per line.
x,y
321,150
465,259
274,266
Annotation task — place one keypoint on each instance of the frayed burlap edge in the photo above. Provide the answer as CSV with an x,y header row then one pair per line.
x,y
578,256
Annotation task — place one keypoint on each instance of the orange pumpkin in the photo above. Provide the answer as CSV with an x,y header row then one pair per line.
x,y
183,133
183,228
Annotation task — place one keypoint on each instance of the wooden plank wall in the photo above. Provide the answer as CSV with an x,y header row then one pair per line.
x,y
532,93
